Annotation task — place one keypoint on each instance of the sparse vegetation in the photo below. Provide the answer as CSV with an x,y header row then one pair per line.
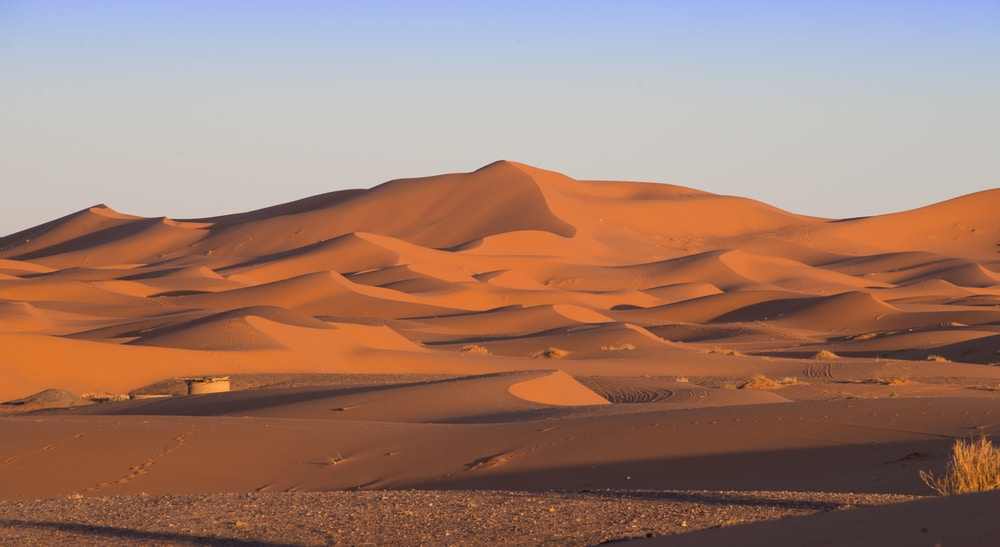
x,y
106,397
550,353
788,381
476,348
974,467
721,351
825,354
759,381
895,381
938,358
334,460
682,379
622,346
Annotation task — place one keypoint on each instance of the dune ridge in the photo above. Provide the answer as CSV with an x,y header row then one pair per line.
x,y
452,260
508,328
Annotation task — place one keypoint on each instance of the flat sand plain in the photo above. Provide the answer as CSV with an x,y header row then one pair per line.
x,y
508,356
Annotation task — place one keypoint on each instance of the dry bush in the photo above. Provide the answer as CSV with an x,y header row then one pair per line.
x,y
476,348
624,346
682,380
720,351
759,381
938,358
974,467
106,397
825,354
788,381
550,353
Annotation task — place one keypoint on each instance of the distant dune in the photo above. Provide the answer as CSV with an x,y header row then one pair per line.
x,y
534,331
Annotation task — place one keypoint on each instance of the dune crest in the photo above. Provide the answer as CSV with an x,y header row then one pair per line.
x,y
511,258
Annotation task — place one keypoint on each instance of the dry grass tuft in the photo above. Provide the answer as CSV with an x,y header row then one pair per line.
x,y
720,351
624,346
825,354
788,381
759,381
974,467
106,397
550,353
682,379
476,348
938,358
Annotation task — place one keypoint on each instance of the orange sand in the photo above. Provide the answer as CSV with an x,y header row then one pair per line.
x,y
527,287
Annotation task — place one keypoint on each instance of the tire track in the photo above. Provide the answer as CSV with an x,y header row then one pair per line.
x,y
819,371
637,390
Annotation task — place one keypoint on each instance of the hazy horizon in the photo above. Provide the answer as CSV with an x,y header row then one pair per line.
x,y
193,109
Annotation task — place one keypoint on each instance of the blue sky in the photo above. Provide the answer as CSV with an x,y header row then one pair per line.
x,y
187,109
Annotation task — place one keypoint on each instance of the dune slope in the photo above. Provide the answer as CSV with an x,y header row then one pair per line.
x,y
508,328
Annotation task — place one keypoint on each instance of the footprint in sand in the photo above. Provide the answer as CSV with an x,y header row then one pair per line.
x,y
143,468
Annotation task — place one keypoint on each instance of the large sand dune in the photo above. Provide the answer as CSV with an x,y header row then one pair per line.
x,y
509,328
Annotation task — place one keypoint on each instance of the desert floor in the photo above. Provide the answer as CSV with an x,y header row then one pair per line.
x,y
507,356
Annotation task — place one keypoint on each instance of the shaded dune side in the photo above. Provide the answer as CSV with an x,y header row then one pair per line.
x,y
20,316
439,212
705,309
105,241
321,293
61,230
228,330
845,311
21,268
344,254
790,274
466,399
964,226
657,208
515,320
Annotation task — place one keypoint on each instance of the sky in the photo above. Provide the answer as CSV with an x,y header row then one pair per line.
x,y
190,109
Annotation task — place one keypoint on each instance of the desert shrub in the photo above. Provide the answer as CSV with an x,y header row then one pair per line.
x,y
720,351
106,397
974,467
937,358
550,353
624,346
825,354
759,381
476,348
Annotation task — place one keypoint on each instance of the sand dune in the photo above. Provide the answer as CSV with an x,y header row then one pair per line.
x,y
508,328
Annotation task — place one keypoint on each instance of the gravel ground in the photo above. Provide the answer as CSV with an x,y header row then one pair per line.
x,y
405,517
